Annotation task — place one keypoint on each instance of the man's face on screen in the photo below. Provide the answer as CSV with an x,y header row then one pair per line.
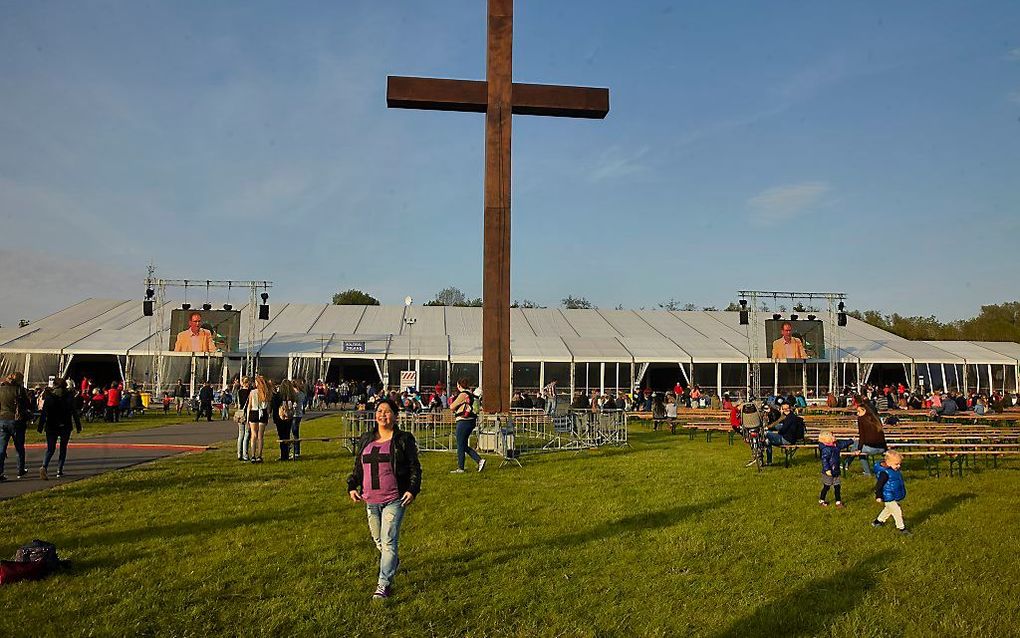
x,y
194,323
787,332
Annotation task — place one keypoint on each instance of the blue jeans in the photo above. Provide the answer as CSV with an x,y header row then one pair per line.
x,y
867,449
773,438
384,524
9,429
295,432
242,439
550,406
464,429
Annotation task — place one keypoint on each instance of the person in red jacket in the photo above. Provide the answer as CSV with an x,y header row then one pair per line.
x,y
113,404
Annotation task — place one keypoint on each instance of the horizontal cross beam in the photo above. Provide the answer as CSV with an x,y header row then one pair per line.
x,y
470,96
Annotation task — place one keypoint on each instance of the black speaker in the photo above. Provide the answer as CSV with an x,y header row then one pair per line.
x,y
745,317
841,319
147,307
264,312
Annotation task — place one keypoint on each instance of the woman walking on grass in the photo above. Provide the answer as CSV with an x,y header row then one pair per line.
x,y
282,407
870,432
258,416
463,410
299,413
387,477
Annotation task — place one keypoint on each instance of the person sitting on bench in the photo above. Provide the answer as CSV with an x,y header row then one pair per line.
x,y
787,431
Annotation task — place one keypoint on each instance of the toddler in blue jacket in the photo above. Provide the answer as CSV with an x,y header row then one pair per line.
x,y
829,450
890,489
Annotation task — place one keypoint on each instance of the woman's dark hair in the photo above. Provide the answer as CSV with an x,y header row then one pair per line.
x,y
389,402
464,382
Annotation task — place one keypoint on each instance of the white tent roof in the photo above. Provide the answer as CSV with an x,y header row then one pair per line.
x,y
110,326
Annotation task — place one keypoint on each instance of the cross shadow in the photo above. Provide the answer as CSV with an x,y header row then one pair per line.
x,y
807,610
645,521
944,506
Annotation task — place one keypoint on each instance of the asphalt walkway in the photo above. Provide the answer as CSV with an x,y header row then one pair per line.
x,y
106,452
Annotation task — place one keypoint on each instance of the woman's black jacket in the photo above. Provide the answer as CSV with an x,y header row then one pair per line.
x,y
403,461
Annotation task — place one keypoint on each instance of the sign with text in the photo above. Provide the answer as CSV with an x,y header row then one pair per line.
x,y
354,346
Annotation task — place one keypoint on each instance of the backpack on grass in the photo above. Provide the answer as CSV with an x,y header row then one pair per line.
x,y
33,561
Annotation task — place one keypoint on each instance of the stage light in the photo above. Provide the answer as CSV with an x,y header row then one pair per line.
x,y
227,306
265,298
743,303
811,317
147,308
207,306
149,293
841,306
777,316
793,317
185,306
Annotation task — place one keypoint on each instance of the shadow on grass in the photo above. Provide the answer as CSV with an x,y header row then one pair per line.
x,y
808,609
204,527
642,522
944,506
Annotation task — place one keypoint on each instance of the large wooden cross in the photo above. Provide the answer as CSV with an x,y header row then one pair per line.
x,y
498,97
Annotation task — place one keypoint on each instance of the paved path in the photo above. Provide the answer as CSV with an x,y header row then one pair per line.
x,y
106,452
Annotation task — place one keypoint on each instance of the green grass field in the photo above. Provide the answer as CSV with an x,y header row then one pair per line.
x,y
671,537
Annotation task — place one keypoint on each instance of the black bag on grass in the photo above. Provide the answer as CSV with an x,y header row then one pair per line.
x,y
38,552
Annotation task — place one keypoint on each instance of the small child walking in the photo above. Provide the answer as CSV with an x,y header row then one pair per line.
x,y
829,450
890,489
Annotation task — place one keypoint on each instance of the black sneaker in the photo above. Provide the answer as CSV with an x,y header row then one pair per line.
x,y
3,477
22,474
877,523
382,592
906,532
60,474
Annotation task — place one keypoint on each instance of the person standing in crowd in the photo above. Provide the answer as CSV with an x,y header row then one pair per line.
x,y
243,392
387,478
258,417
464,412
282,407
299,413
226,400
549,392
113,404
180,395
15,410
57,418
205,399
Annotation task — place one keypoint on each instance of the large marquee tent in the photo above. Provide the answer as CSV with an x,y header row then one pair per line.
x,y
609,350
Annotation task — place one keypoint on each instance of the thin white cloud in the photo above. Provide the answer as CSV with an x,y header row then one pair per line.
x,y
783,203
617,162
1013,54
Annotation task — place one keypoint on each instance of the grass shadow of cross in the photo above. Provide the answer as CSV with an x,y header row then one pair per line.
x,y
944,506
808,609
640,522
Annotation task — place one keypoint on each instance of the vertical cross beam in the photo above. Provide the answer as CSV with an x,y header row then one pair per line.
x,y
496,227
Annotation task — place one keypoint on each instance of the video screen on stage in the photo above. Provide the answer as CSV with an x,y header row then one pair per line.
x,y
205,330
799,339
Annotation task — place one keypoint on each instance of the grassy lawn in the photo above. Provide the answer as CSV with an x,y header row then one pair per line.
x,y
138,422
671,537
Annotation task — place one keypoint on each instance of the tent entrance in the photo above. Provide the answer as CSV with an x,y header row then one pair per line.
x,y
352,370
102,369
662,377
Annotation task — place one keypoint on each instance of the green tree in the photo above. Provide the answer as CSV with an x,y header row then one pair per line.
x,y
354,297
571,302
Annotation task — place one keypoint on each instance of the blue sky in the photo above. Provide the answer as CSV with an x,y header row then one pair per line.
x,y
870,147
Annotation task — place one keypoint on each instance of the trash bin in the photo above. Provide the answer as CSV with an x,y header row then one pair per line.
x,y
146,398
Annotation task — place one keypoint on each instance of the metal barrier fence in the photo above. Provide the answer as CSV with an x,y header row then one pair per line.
x,y
523,431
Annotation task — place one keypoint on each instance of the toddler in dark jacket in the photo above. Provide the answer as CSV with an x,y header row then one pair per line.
x,y
828,450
